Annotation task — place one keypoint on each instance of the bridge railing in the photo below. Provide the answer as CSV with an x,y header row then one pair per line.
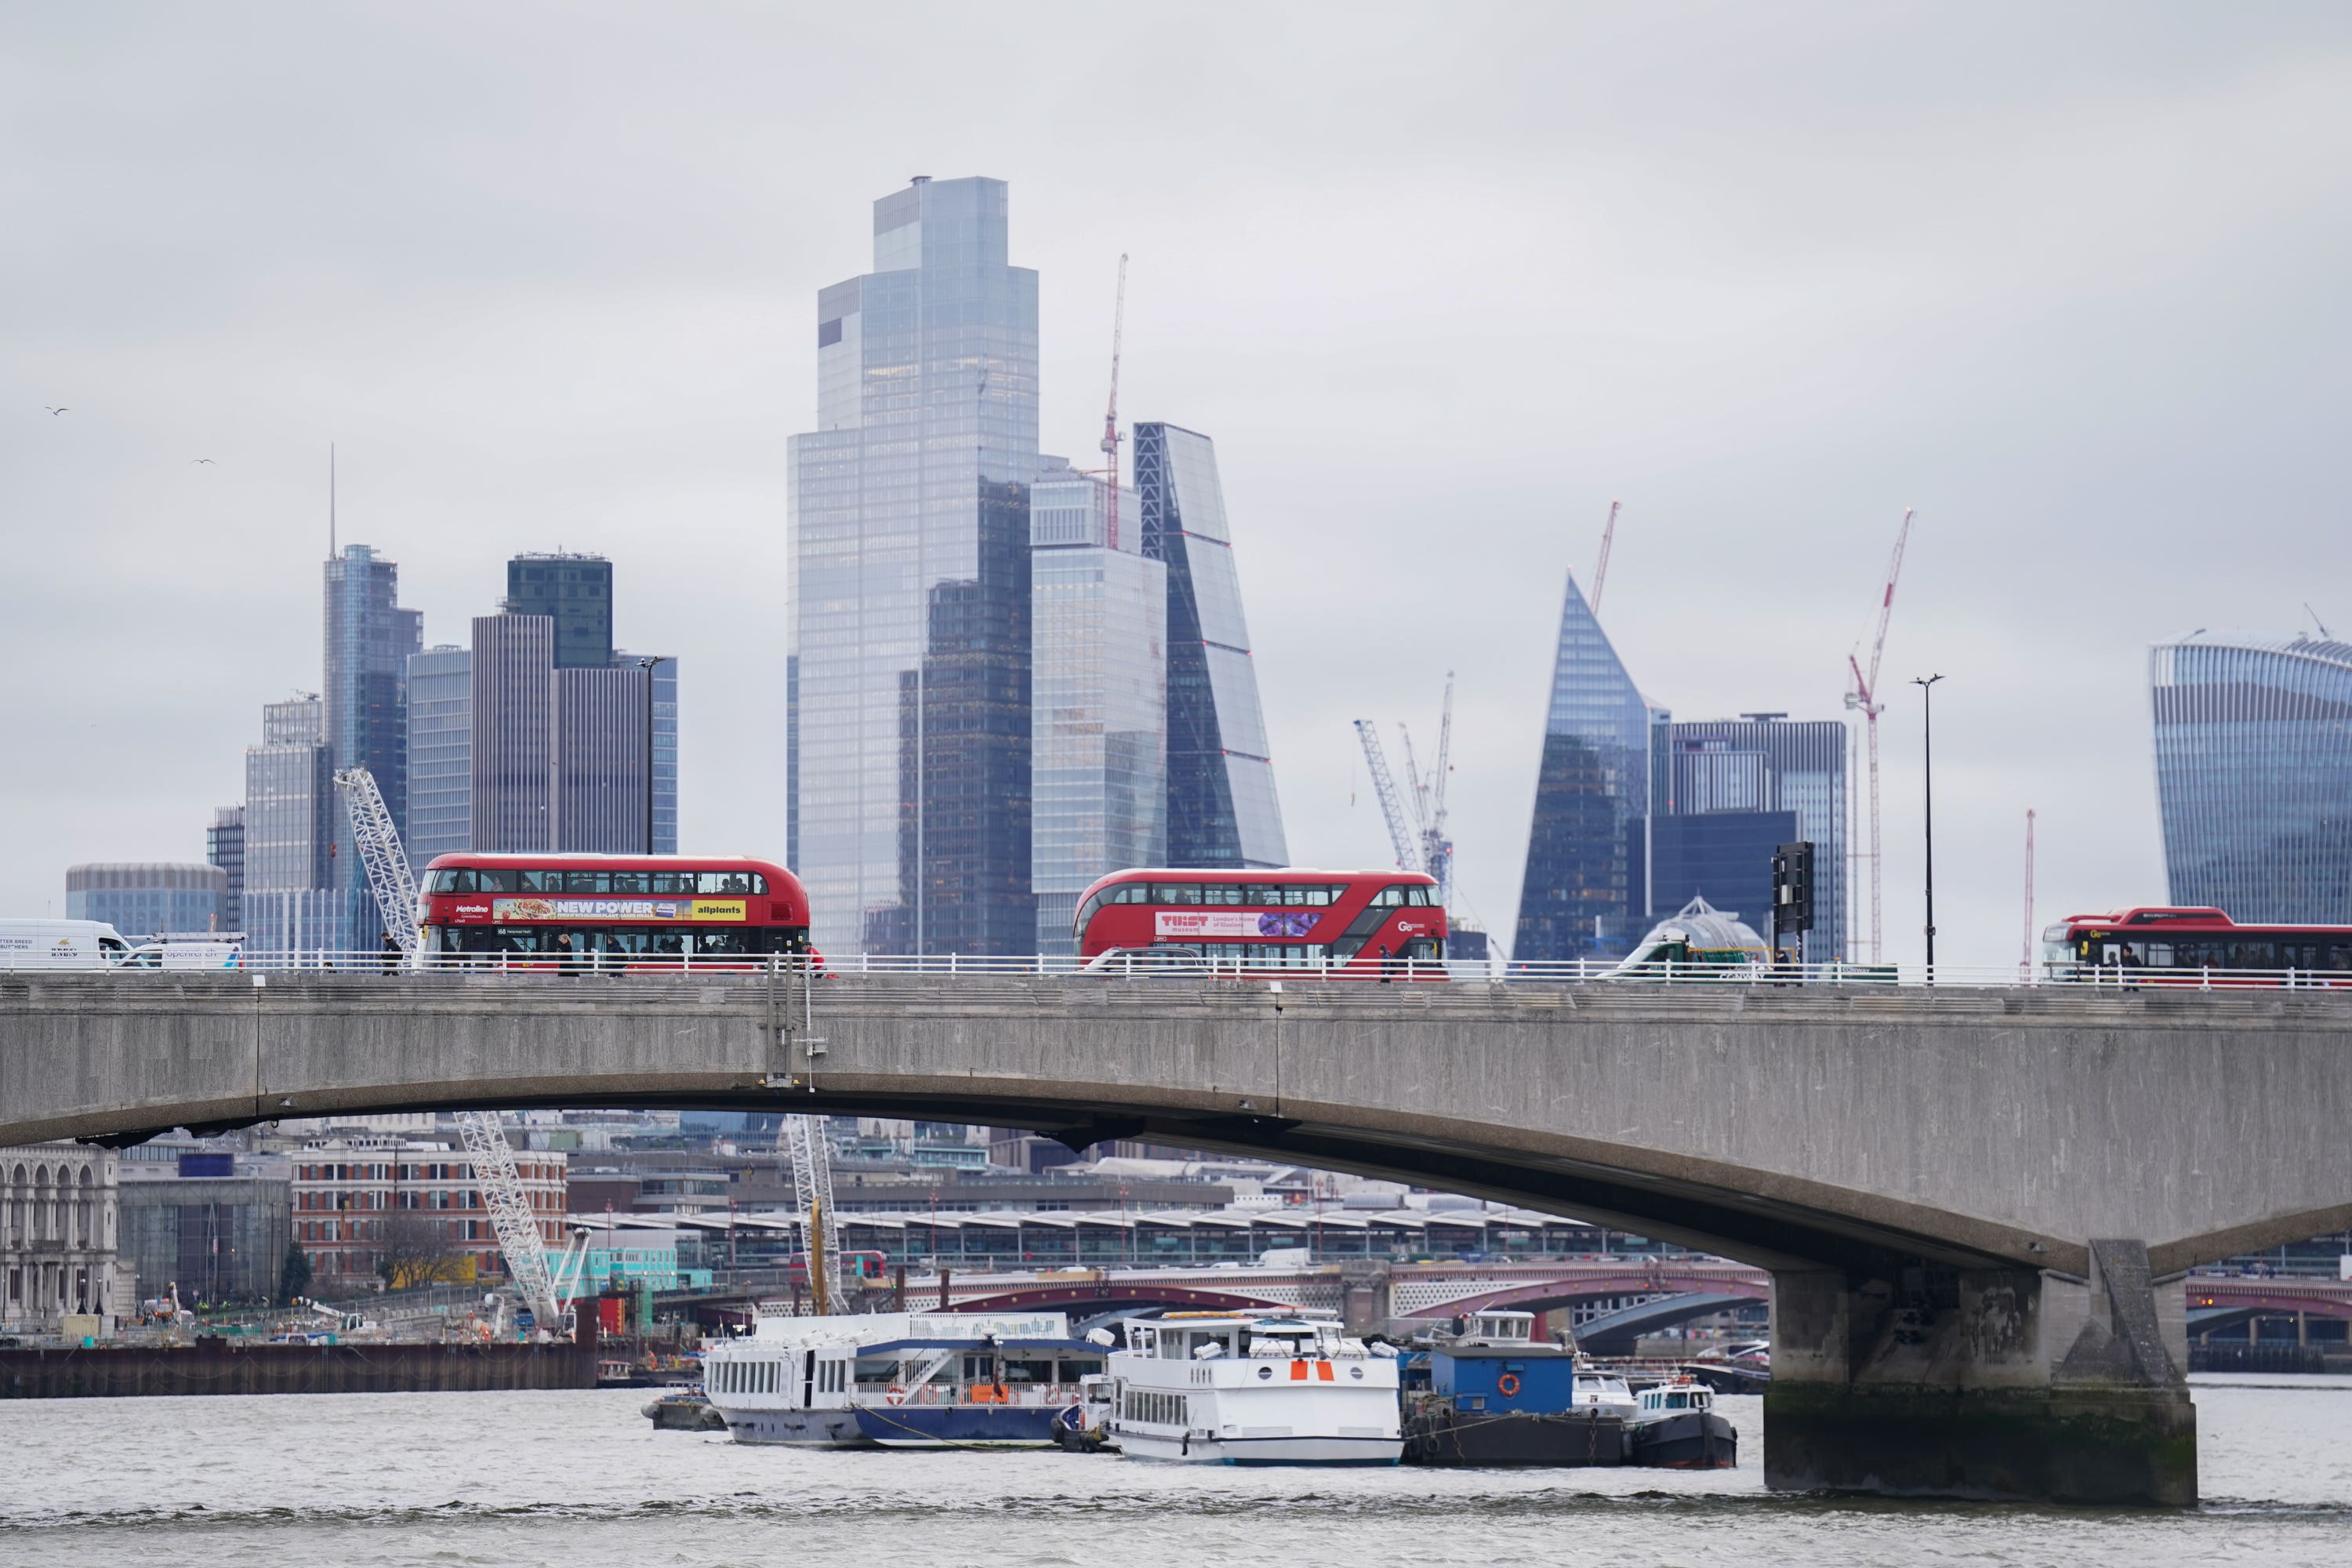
x,y
1144,969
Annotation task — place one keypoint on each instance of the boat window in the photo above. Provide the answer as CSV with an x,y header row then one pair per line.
x,y
1677,1401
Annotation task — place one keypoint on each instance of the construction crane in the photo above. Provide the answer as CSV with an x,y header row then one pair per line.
x,y
1392,810
1111,415
2025,952
1416,815
804,1141
377,838
1428,798
1863,696
1601,568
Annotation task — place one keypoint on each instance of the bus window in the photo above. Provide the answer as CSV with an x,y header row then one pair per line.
x,y
628,882
1176,892
672,882
1417,894
723,882
587,883
666,944
1221,894
494,879
541,882
724,942
1134,893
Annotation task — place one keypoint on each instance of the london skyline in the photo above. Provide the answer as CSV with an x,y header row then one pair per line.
x,y
2089,410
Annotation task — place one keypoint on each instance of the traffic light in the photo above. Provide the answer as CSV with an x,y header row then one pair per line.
x,y
1793,887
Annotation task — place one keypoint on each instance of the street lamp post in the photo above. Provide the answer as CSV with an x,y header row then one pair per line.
x,y
1927,686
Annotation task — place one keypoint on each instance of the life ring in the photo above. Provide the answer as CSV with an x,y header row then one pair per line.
x,y
1507,1384
895,1394
930,1394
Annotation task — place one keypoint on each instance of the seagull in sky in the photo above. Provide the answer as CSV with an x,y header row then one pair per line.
x,y
202,460
53,411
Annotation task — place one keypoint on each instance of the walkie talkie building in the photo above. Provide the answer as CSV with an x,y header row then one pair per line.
x,y
2253,774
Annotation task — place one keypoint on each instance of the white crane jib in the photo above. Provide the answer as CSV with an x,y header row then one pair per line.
x,y
805,1141
1393,808
1863,697
377,838
1428,800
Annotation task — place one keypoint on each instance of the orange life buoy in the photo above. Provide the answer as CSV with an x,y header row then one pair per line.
x,y
895,1394
1508,1384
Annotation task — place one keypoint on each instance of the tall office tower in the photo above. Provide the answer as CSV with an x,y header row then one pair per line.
x,y
513,686
1729,793
2253,774
663,741
291,814
910,643
1223,811
1098,699
224,847
440,753
576,592
369,639
146,898
1577,899
602,750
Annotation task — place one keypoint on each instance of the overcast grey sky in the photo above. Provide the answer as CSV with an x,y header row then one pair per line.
x,y
1442,281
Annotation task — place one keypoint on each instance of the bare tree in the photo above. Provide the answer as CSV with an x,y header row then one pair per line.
x,y
414,1250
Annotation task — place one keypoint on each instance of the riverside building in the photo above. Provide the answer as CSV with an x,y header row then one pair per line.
x,y
364,1203
57,1238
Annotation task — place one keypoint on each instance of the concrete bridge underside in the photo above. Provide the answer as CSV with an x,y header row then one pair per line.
x,y
1975,1205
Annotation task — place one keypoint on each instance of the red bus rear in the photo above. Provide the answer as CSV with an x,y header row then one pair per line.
x,y
1360,924
2193,946
623,911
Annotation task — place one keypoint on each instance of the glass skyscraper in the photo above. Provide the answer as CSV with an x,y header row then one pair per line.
x,y
1790,778
224,847
142,898
513,702
911,639
369,639
291,815
440,753
2253,774
1223,811
576,592
1578,898
1098,713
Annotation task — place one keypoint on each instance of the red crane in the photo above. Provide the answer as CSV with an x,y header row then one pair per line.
x,y
1863,695
1601,571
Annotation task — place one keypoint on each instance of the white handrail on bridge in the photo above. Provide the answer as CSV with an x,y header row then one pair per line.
x,y
1591,972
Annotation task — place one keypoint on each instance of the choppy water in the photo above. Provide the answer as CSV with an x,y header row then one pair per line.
x,y
581,1480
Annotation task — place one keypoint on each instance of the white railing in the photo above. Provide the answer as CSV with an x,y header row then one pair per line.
x,y
1599,974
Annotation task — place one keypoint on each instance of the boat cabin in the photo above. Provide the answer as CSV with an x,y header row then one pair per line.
x,y
1209,1336
1675,1398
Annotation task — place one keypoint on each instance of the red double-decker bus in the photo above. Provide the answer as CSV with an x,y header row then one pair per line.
x,y
1357,924
608,910
2193,946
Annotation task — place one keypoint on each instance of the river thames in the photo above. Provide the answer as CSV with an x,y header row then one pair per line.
x,y
581,1481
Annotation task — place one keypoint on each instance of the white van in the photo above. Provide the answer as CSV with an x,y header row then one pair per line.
x,y
60,944
225,951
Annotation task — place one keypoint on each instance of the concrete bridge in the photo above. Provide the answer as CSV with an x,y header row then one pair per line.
x,y
1976,1206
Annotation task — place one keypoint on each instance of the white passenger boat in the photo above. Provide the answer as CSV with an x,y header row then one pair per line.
x,y
1250,1388
900,1380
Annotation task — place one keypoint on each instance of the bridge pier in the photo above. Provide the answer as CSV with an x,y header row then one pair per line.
x,y
1922,1380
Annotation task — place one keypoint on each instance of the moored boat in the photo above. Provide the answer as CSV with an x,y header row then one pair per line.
x,y
900,1380
1497,1396
1253,1388
1677,1428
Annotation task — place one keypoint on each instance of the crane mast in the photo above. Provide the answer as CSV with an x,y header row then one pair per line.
x,y
377,838
804,1141
1110,436
1601,568
1862,695
2025,952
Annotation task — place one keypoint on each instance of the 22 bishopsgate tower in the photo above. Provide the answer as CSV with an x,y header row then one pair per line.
x,y
981,721
910,513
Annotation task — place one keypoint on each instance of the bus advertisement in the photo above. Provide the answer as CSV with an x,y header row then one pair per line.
x,y
623,911
1348,924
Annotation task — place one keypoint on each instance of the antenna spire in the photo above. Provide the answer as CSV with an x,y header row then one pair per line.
x,y
330,501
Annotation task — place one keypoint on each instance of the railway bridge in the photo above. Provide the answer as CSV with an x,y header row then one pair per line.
x,y
1977,1206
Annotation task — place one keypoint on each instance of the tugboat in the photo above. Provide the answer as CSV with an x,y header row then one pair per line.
x,y
1676,1428
1085,1427
1497,1396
